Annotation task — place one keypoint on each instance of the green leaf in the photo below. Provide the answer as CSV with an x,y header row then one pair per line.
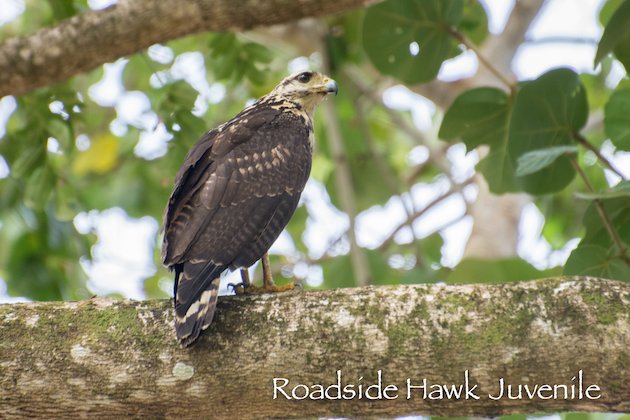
x,y
62,9
226,65
258,52
221,43
563,217
477,270
620,190
474,23
389,28
133,73
617,119
498,170
594,260
181,95
191,126
233,59
607,10
65,203
255,76
534,161
598,91
477,116
547,111
61,130
616,36
480,116
622,53
617,212
42,260
39,187
27,261
11,192
30,159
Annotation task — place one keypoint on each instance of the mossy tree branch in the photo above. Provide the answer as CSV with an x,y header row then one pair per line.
x,y
89,39
110,358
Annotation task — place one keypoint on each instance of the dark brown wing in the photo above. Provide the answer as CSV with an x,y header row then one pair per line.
x,y
204,159
235,193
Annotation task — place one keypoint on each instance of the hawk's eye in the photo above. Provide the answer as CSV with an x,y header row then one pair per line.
x,y
304,77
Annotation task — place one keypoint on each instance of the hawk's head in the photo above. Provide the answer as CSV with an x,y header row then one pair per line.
x,y
307,88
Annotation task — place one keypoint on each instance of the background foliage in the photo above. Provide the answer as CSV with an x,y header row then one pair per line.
x,y
67,154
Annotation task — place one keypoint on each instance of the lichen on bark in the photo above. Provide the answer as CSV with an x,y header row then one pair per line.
x,y
117,357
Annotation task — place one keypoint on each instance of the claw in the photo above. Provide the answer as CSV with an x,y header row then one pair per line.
x,y
237,288
247,288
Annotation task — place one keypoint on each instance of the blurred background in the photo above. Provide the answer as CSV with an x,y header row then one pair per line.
x,y
86,166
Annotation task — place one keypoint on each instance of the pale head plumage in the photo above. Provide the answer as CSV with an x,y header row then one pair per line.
x,y
236,192
306,88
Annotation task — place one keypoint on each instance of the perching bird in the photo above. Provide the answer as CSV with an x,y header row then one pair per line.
x,y
235,193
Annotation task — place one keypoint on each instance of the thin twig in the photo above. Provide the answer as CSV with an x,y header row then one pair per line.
x,y
353,76
584,142
415,172
386,172
482,59
419,213
331,245
603,215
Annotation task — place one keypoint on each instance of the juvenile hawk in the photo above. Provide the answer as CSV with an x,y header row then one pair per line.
x,y
235,193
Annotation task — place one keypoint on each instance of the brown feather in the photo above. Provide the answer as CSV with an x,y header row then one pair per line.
x,y
234,194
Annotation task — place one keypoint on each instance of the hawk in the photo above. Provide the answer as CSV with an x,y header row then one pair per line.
x,y
235,193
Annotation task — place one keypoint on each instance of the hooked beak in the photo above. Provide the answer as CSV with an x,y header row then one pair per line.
x,y
331,87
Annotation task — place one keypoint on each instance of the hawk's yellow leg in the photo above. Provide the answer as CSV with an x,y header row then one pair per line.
x,y
247,288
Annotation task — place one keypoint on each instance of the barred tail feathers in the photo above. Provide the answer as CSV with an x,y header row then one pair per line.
x,y
196,293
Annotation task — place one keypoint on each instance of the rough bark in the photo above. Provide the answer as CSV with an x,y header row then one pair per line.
x,y
92,38
109,358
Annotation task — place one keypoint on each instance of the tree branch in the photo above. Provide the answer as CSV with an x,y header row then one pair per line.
x,y
436,155
455,189
89,39
345,192
113,358
387,173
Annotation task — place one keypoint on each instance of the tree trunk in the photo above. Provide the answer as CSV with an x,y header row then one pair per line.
x,y
92,38
110,358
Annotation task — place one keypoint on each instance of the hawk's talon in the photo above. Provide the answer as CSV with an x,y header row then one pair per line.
x,y
237,288
222,226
